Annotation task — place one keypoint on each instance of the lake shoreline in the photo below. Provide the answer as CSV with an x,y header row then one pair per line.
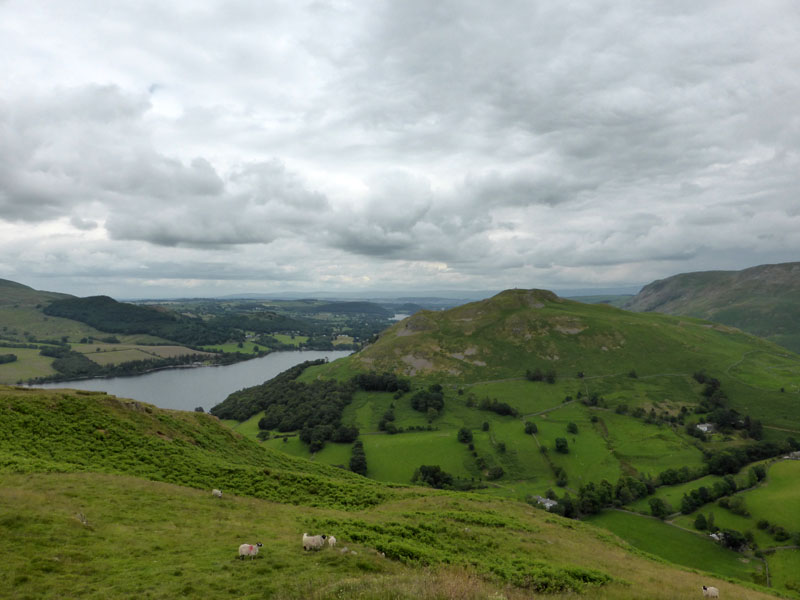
x,y
186,387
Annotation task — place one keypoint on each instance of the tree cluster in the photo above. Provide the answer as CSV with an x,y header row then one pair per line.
x,y
495,406
431,398
383,382
731,460
243,404
7,358
696,498
358,458
538,375
714,405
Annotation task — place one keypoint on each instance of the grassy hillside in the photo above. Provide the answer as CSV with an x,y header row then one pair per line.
x,y
91,506
623,394
517,330
763,300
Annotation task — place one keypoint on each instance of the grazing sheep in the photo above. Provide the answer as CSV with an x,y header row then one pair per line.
x,y
710,592
216,493
331,541
249,550
313,542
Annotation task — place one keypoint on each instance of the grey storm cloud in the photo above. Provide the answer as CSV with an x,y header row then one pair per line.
x,y
457,141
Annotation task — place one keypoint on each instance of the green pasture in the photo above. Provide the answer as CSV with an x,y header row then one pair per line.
x,y
247,347
522,461
18,322
778,500
342,339
725,519
284,338
393,458
588,458
290,445
678,546
673,494
331,454
769,370
527,397
648,448
248,428
29,364
784,571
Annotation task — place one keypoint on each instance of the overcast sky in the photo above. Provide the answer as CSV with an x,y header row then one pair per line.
x,y
191,148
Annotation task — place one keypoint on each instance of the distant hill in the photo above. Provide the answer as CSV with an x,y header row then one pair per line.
x,y
518,330
13,293
763,300
367,308
107,314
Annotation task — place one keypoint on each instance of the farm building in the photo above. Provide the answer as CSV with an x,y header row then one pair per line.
x,y
546,502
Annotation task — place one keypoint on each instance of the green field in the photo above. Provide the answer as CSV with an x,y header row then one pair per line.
x,y
29,364
246,347
672,494
777,500
784,570
678,546
287,339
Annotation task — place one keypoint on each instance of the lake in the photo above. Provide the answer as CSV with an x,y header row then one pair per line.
x,y
186,389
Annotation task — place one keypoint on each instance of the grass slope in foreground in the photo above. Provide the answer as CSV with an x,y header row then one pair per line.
x,y
75,522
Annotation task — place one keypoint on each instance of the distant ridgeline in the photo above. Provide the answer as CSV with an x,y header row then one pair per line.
x,y
762,300
106,314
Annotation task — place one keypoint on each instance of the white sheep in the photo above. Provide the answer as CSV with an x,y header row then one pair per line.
x,y
216,493
313,542
331,541
710,592
249,550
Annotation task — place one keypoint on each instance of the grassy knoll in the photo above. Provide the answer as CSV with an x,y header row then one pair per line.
x,y
66,431
678,546
497,340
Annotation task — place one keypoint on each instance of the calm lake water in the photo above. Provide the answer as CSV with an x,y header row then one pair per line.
x,y
186,389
